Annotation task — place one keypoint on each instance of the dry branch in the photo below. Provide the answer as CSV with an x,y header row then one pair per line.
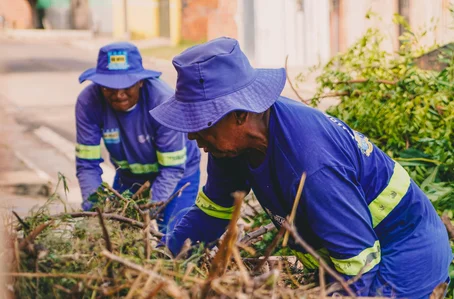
x,y
270,249
53,275
107,240
224,253
449,226
142,189
109,216
295,206
366,81
170,287
163,206
32,236
320,260
22,222
291,84
249,237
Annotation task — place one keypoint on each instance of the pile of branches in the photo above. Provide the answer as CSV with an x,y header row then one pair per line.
x,y
111,254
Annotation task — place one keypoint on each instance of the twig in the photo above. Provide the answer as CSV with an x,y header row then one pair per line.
x,y
146,235
25,225
270,249
366,81
153,292
32,236
449,226
170,286
135,286
116,217
162,207
104,230
439,291
111,291
257,233
107,240
295,207
332,95
142,189
320,260
243,271
184,249
117,194
291,84
151,205
54,275
224,253
321,278
336,287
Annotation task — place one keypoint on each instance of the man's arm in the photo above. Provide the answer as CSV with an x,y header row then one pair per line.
x,y
88,149
171,153
208,218
338,213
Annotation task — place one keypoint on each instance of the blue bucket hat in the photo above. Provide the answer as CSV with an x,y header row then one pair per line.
x,y
214,79
119,66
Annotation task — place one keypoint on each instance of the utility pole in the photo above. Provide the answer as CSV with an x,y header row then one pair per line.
x,y
125,18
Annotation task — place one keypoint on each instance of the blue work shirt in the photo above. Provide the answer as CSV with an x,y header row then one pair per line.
x,y
140,148
359,208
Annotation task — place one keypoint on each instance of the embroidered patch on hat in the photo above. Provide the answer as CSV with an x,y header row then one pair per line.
x,y
118,60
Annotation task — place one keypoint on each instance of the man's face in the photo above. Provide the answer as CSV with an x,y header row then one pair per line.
x,y
222,140
122,99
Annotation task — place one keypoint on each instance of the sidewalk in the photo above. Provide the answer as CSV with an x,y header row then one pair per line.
x,y
23,186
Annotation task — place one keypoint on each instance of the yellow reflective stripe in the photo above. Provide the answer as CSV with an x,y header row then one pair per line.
x,y
172,158
309,261
90,152
137,168
143,168
389,198
212,209
367,259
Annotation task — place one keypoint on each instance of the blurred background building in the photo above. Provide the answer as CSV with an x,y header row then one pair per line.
x,y
308,30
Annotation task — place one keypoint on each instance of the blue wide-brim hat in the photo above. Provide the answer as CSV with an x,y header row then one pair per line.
x,y
119,66
214,79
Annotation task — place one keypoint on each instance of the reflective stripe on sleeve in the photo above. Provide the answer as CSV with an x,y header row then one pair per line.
x,y
390,197
172,158
212,209
138,168
90,152
364,261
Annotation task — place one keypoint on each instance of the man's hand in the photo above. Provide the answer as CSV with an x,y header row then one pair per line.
x,y
92,201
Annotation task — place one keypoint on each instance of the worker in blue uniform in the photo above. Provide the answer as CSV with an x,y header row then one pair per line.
x,y
359,208
115,108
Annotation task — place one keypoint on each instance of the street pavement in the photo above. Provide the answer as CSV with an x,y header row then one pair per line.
x,y
38,91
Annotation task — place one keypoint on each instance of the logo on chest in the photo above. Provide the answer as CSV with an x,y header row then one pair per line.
x,y
111,136
143,138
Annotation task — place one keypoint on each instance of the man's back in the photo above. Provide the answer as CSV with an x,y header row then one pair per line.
x,y
358,203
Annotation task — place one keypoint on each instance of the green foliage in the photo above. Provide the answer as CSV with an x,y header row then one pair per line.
x,y
406,111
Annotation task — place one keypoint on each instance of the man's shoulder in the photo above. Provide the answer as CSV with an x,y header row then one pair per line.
x,y
89,94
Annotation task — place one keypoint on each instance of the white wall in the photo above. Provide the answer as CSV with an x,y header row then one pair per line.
x,y
281,29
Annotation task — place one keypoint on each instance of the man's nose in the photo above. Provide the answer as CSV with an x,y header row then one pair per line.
x,y
119,93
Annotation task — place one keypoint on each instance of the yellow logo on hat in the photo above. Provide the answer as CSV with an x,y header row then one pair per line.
x,y
118,60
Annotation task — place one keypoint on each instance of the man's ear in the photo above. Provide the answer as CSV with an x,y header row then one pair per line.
x,y
140,83
240,117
